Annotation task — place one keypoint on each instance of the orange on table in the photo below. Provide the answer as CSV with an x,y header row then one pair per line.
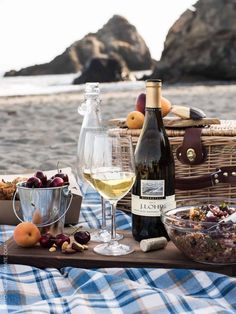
x,y
26,234
134,120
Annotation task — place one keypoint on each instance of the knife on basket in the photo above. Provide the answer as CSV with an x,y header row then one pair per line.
x,y
187,112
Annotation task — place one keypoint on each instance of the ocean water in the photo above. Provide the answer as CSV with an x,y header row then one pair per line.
x,y
49,84
34,85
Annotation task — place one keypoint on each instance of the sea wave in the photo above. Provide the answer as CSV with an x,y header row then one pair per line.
x,y
50,84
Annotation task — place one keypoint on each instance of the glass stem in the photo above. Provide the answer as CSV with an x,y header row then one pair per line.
x,y
104,224
113,221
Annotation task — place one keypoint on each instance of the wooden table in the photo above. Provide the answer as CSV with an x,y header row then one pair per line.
x,y
170,257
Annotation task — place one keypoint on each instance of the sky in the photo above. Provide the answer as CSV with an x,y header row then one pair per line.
x,y
35,31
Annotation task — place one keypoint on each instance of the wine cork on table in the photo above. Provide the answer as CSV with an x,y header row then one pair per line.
x,y
153,244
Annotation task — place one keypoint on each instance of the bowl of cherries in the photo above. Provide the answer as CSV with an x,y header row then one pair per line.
x,y
43,201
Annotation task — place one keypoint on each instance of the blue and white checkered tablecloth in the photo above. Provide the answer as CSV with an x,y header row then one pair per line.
x,y
25,289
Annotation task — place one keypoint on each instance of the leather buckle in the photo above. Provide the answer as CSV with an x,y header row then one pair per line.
x,y
192,151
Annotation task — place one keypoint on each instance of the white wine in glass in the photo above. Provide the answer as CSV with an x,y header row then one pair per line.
x,y
112,183
113,177
84,174
88,177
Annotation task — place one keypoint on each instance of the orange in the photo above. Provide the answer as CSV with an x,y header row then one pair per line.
x,y
165,106
134,120
26,234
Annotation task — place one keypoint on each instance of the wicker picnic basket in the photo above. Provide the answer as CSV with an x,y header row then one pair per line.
x,y
205,160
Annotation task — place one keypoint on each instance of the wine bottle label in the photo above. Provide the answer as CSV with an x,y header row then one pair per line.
x,y
152,188
151,207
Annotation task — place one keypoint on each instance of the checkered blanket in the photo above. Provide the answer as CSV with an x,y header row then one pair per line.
x,y
25,289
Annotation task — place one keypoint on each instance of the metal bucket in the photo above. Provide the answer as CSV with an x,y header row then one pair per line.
x,y
43,206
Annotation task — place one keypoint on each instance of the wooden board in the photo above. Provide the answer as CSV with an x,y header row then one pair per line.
x,y
172,122
170,257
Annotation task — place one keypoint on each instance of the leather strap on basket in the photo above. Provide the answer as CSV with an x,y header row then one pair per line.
x,y
192,151
225,174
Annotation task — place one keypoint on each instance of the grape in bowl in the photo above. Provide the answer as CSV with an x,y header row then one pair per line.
x,y
204,229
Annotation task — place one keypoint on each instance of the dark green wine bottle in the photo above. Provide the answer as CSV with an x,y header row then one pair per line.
x,y
153,190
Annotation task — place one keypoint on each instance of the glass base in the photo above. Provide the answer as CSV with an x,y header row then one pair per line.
x,y
104,236
113,249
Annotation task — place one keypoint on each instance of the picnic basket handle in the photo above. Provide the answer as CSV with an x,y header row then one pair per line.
x,y
225,174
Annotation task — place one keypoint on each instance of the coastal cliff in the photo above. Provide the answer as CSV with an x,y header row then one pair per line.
x,y
201,44
116,39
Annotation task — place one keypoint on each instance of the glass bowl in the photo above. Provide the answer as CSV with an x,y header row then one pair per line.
x,y
197,229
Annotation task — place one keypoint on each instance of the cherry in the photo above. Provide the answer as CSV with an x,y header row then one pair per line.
x,y
62,175
46,240
61,238
49,181
34,182
56,182
39,174
82,237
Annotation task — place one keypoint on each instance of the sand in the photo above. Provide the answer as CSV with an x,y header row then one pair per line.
x,y
38,131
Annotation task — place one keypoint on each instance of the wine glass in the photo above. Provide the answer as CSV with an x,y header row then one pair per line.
x,y
113,176
85,181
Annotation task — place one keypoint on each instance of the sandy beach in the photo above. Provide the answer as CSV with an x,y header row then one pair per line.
x,y
37,131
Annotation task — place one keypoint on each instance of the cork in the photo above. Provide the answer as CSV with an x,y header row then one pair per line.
x,y
153,244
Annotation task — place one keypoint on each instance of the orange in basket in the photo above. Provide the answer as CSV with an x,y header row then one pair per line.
x,y
135,120
165,106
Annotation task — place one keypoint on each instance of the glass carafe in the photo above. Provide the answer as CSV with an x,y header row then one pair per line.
x,y
92,123
90,109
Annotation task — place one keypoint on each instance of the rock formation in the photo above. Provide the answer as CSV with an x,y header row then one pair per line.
x,y
117,38
201,44
103,70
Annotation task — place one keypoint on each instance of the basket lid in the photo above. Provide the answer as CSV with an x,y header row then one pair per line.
x,y
174,127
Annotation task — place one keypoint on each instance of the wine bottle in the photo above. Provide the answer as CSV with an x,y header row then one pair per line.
x,y
153,190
